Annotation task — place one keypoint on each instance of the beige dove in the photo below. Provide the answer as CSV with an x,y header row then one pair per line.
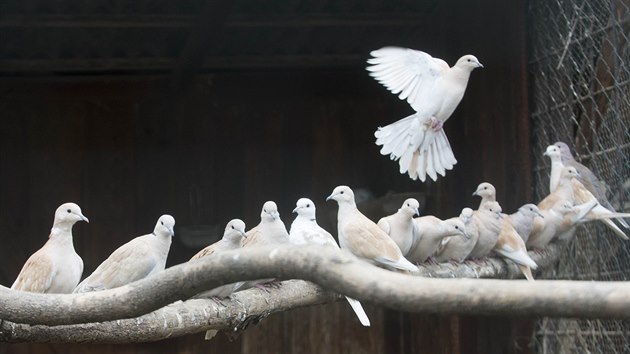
x,y
305,230
455,248
232,239
588,179
399,226
429,232
137,259
362,237
55,268
561,218
433,89
510,245
489,221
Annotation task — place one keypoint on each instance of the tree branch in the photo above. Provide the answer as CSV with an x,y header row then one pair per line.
x,y
331,269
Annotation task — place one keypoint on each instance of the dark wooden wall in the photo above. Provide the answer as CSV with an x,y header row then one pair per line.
x,y
129,148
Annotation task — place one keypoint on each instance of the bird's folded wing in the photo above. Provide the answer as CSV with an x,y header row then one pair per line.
x,y
365,242
36,275
411,74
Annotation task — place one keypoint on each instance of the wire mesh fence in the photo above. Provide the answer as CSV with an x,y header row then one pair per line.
x,y
579,68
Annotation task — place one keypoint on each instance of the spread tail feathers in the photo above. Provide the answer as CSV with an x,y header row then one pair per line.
x,y
421,151
358,310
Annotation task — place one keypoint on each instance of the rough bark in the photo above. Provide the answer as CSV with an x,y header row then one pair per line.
x,y
333,270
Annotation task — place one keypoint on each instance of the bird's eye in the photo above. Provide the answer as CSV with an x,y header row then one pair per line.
x,y
69,211
265,210
308,205
457,227
341,192
468,59
162,223
232,227
485,187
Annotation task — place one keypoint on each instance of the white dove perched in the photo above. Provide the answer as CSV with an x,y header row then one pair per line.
x,y
399,226
232,239
489,221
362,237
433,89
137,259
511,246
588,179
55,268
455,248
429,232
523,220
270,231
305,230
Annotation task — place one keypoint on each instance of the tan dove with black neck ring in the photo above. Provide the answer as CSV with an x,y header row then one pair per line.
x,y
362,237
137,259
55,268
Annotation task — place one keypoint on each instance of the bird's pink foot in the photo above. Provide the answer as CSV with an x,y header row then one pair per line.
x,y
436,124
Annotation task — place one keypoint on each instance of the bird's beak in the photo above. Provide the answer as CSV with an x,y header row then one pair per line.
x,y
84,218
275,215
539,214
243,234
475,193
296,209
465,234
330,197
172,231
545,153
480,65
417,211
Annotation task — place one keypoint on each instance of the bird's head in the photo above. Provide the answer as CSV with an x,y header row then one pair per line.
x,y
165,226
564,151
468,62
411,207
466,215
455,226
485,190
305,207
269,211
494,208
69,213
234,230
553,152
342,194
530,210
569,172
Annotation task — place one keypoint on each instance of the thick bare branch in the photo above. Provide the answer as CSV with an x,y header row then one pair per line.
x,y
178,319
334,270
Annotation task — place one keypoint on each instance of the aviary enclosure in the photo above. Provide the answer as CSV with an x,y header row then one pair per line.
x,y
205,109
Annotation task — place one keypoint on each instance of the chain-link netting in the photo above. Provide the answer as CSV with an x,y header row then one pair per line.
x,y
579,68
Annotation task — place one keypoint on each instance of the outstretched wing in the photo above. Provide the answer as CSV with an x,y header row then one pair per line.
x,y
410,74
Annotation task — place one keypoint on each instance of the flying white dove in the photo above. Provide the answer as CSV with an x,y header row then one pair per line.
x,y
137,259
305,230
588,179
429,232
399,226
433,90
55,268
362,237
456,248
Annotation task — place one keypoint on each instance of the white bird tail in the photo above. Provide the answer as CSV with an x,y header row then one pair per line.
x,y
358,310
420,149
